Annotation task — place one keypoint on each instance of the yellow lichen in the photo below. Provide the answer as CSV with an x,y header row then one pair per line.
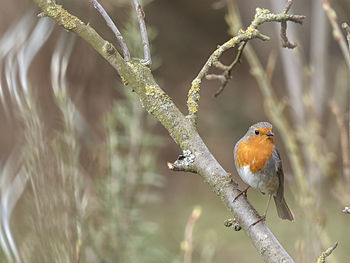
x,y
152,109
193,109
159,99
195,87
265,11
134,66
192,106
152,91
190,101
62,17
262,11
193,96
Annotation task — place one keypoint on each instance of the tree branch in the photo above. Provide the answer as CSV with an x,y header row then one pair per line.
x,y
337,34
226,75
114,28
293,75
159,104
261,16
144,36
327,253
273,107
284,38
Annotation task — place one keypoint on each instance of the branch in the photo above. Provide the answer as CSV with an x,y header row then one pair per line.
x,y
284,38
337,34
114,28
261,16
325,254
226,75
144,36
273,107
293,75
156,102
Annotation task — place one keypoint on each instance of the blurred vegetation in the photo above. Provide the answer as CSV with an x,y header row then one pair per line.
x,y
91,157
118,231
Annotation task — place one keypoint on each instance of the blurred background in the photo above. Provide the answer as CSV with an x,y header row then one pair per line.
x,y
83,168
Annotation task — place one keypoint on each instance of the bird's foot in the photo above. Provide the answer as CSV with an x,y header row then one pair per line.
x,y
244,192
262,218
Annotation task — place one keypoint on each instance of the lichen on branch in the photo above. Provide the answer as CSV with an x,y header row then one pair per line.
x,y
61,16
261,16
198,158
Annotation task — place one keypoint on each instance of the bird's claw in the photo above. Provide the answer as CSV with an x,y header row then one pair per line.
x,y
244,192
262,218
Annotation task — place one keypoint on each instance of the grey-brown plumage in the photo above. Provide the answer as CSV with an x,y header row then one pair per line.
x,y
259,165
283,210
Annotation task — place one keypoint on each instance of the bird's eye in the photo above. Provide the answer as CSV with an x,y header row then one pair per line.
x,y
256,132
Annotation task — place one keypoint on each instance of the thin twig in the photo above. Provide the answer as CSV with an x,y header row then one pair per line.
x,y
226,75
293,74
337,34
113,27
343,138
273,106
325,254
161,106
288,6
144,36
285,42
261,16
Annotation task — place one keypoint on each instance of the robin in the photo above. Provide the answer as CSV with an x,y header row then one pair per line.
x,y
259,165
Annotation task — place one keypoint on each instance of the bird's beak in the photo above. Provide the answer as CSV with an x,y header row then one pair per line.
x,y
270,134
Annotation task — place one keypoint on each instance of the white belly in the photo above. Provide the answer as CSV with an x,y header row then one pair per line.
x,y
265,183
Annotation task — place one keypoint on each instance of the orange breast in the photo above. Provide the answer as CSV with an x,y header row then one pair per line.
x,y
255,152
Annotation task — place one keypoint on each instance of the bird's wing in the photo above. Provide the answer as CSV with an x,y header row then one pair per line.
x,y
235,152
280,174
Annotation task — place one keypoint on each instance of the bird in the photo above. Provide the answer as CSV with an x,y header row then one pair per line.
x,y
259,165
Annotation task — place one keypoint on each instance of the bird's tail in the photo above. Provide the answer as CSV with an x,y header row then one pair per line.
x,y
283,210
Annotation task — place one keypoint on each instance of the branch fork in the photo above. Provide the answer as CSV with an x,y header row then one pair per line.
x,y
196,156
144,36
242,37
